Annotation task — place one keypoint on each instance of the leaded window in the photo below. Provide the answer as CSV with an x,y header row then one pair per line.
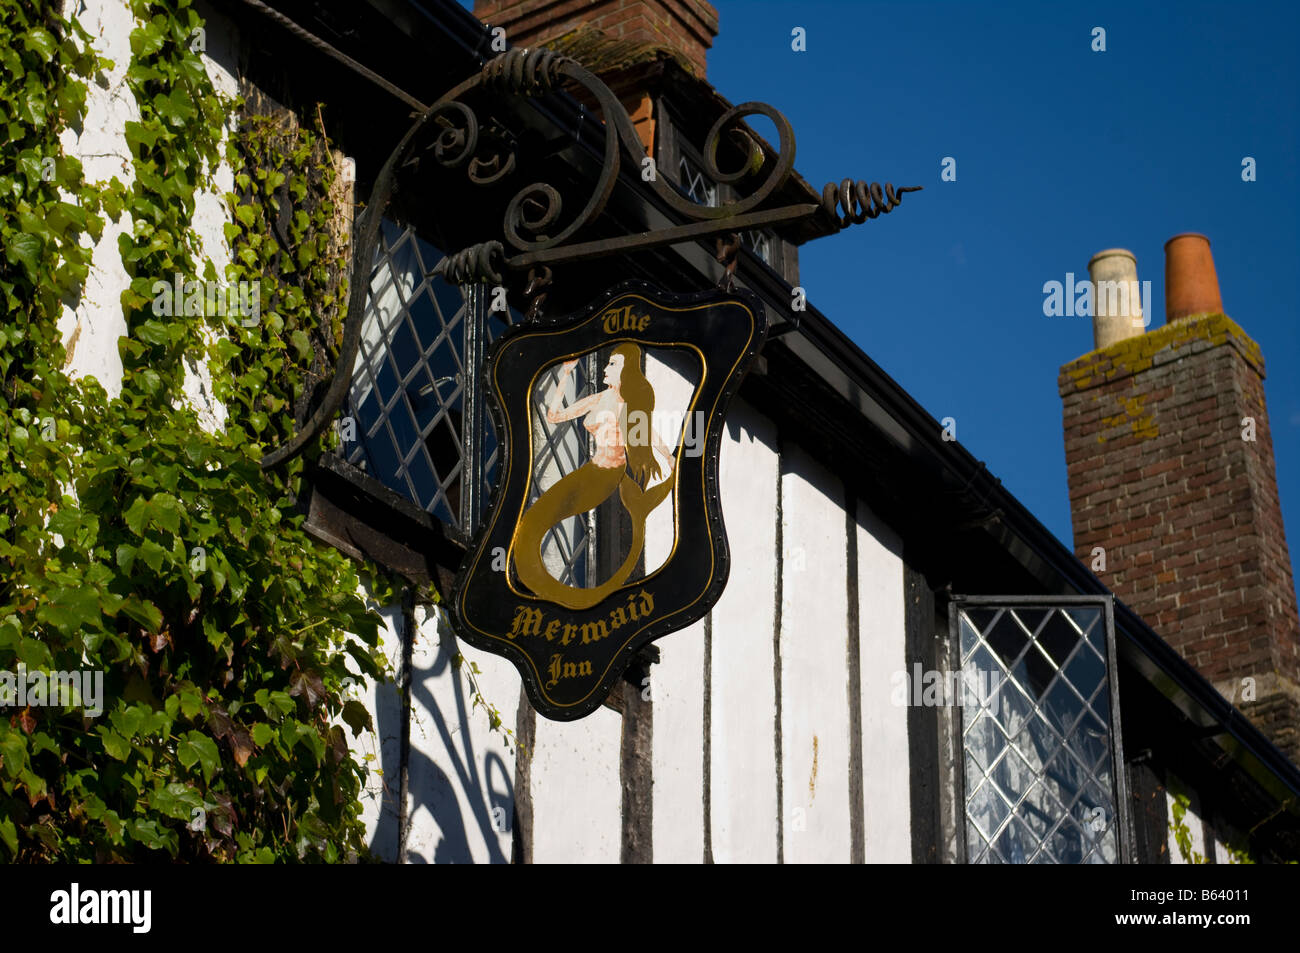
x,y
700,188
759,242
697,186
417,431
569,548
1040,731
408,385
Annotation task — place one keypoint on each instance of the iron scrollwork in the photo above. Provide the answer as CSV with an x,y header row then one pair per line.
x,y
531,227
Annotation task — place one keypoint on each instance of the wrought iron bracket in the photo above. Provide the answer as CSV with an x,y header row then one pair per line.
x,y
486,152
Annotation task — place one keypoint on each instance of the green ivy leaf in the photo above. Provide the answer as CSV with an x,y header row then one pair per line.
x,y
146,40
197,748
142,611
176,800
40,42
149,834
357,717
136,514
191,703
301,344
115,746
71,609
9,836
175,107
24,249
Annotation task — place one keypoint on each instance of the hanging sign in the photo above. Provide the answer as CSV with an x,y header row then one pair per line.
x,y
605,528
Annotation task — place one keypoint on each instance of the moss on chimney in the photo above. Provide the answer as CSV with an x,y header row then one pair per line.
x,y
1137,354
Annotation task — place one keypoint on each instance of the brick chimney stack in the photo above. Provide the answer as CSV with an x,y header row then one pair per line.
x,y
686,26
1173,493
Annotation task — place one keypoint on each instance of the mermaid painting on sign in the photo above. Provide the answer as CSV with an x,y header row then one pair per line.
x,y
629,459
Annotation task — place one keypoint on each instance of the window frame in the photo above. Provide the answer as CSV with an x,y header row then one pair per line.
x,y
468,342
957,723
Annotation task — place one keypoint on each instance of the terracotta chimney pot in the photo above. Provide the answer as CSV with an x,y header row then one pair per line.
x,y
1191,283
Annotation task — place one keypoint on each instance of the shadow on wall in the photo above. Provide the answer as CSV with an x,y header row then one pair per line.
x,y
455,794
388,720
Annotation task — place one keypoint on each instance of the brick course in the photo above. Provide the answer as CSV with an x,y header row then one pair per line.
x,y
688,26
1187,510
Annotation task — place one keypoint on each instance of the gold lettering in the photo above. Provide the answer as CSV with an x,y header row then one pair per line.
x,y
558,669
617,618
613,323
526,619
552,627
647,602
594,631
622,319
570,632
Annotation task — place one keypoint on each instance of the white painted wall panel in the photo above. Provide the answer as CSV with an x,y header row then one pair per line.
x,y
461,774
1221,855
677,693
1192,820
743,762
90,331
677,682
380,750
814,677
886,782
577,798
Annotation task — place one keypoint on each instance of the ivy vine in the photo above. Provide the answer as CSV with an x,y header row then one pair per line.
x,y
1237,853
137,543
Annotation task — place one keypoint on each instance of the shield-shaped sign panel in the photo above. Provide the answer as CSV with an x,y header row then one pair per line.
x,y
605,529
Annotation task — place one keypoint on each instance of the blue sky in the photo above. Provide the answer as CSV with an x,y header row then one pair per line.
x,y
1061,151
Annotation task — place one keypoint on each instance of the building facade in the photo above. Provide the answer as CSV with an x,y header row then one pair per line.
x,y
905,665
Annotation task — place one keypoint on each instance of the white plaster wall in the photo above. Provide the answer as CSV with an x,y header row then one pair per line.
x,y
461,774
814,676
886,781
677,682
210,211
1221,855
743,763
677,757
380,750
577,797
674,375
91,329
460,777
1194,825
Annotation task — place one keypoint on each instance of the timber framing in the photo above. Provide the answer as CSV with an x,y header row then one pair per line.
x,y
963,531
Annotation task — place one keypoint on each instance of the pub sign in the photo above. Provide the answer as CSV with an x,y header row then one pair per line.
x,y
667,366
